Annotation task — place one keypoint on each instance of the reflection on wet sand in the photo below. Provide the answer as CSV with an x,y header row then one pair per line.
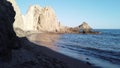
x,y
47,40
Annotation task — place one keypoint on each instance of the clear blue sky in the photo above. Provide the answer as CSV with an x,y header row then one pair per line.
x,y
98,14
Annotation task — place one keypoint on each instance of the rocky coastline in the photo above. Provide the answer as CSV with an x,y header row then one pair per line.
x,y
18,52
43,20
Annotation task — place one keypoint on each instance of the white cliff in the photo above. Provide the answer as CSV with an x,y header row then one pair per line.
x,y
41,19
18,23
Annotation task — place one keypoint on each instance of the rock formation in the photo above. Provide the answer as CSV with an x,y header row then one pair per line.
x,y
18,23
85,27
44,20
41,19
8,38
28,55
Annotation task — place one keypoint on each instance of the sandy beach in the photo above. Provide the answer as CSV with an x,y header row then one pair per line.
x,y
48,50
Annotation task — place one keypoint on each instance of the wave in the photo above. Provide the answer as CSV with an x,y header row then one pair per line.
x,y
102,47
111,56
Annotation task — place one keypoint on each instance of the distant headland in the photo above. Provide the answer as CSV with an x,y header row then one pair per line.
x,y
44,20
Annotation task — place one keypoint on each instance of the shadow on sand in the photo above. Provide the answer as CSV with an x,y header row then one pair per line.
x,y
31,55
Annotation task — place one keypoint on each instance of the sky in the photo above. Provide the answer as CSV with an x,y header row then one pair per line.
x,y
99,14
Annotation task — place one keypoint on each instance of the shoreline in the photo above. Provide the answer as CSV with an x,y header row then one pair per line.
x,y
31,55
66,61
49,51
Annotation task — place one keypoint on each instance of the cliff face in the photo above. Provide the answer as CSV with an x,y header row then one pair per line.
x,y
18,23
44,20
29,55
8,39
41,19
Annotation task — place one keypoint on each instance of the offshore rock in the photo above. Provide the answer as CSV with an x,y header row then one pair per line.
x,y
85,27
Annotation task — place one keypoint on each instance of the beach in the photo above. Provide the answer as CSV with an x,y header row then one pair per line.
x,y
100,50
42,44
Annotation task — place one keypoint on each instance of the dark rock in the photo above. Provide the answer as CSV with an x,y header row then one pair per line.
x,y
88,63
87,59
8,38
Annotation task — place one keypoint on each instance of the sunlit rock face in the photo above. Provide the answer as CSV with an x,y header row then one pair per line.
x,y
41,19
85,27
8,37
18,23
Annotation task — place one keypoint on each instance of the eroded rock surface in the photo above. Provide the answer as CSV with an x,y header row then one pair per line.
x,y
41,19
29,55
18,23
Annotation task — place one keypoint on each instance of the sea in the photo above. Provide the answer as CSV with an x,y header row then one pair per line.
x,y
100,50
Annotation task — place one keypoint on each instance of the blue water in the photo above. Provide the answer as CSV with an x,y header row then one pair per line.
x,y
102,50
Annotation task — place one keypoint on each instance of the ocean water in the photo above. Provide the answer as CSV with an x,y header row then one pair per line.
x,y
101,50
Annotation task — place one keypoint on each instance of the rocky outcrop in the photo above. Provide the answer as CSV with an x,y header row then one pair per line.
x,y
84,27
28,55
18,23
44,20
41,19
8,38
